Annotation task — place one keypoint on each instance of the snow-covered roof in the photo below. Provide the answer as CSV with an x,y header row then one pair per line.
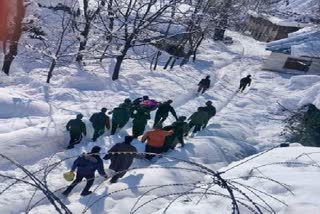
x,y
277,21
305,42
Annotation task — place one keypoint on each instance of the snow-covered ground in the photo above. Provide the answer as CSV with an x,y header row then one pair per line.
x,y
33,117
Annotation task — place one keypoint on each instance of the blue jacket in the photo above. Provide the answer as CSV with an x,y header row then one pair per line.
x,y
87,164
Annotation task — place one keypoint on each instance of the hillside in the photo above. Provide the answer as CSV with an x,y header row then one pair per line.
x,y
239,163
245,124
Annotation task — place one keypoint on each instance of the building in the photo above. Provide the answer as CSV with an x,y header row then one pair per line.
x,y
267,28
299,53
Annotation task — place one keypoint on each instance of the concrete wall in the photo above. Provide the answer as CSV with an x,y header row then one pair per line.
x,y
276,62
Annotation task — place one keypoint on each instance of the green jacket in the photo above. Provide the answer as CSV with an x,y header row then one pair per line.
x,y
141,117
120,115
199,117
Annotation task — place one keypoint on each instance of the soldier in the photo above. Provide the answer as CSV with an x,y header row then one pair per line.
x,y
211,110
120,117
100,121
204,84
180,128
77,129
244,82
197,120
163,112
140,119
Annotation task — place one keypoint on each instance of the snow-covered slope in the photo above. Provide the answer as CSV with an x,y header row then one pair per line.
x,y
246,123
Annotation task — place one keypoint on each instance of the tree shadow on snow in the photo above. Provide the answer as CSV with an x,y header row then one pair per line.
x,y
98,207
132,181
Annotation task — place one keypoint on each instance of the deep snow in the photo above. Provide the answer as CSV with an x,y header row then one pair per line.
x,y
245,124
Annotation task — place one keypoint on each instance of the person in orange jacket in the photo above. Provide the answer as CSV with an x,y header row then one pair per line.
x,y
155,140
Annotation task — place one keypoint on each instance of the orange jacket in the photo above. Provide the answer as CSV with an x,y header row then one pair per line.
x,y
156,137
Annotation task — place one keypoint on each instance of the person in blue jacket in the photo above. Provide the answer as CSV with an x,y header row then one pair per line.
x,y
86,166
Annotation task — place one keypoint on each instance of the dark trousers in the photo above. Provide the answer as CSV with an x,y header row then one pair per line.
x,y
180,139
242,87
152,149
197,127
75,138
138,128
115,126
205,125
160,118
202,88
97,133
79,177
115,178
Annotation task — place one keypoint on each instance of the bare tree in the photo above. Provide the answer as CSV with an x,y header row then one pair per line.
x,y
84,26
109,27
135,25
59,46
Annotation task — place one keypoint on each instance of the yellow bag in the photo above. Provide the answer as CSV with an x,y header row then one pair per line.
x,y
68,176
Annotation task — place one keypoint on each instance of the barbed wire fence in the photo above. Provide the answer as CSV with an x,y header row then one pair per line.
x,y
240,196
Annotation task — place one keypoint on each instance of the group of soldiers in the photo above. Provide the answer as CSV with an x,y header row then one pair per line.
x,y
140,115
204,84
158,140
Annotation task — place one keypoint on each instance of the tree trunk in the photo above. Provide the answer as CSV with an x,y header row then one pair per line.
x,y
83,42
111,15
111,26
223,24
15,37
117,67
53,65
120,59
168,62
196,48
156,60
9,57
173,62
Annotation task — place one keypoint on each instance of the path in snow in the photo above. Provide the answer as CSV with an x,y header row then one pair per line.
x,y
231,135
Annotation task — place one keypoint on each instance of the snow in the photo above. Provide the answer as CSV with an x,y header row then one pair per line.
x,y
278,21
245,125
20,105
301,43
300,6
300,178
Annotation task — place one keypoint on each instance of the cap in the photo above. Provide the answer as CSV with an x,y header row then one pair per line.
x,y
127,100
209,102
79,116
95,149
